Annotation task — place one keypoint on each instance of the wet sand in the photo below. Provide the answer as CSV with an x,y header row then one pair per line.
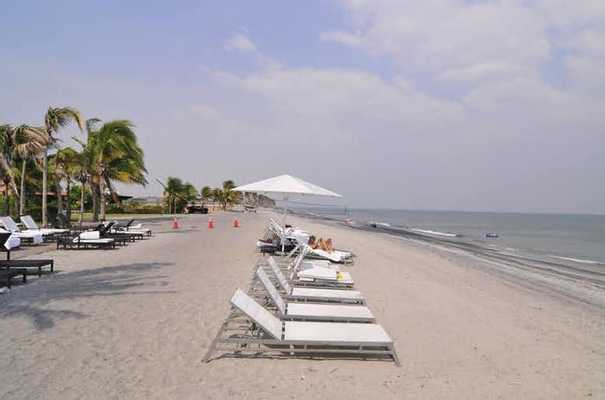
x,y
135,323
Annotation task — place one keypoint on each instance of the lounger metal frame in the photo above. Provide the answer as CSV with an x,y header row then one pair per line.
x,y
240,337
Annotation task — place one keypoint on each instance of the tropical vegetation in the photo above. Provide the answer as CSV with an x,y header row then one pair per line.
x,y
46,178
179,194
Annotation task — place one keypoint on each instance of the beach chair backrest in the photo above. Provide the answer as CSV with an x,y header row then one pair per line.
x,y
275,296
29,222
279,231
9,224
279,275
257,313
4,238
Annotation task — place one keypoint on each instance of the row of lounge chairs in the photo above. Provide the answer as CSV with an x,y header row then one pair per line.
x,y
106,236
299,306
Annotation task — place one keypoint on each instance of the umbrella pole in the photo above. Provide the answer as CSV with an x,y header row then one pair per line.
x,y
283,242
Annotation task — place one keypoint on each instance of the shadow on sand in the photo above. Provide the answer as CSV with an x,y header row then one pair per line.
x,y
118,280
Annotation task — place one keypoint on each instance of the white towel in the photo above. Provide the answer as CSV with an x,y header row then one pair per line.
x,y
91,235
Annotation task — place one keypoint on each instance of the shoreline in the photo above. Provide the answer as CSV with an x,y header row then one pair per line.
x,y
582,282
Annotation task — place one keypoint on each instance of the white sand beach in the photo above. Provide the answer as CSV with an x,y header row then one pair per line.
x,y
134,323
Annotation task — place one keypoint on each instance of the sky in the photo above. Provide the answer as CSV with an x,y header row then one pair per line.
x,y
436,104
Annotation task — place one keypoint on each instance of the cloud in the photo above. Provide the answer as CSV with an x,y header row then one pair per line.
x,y
239,42
345,38
476,42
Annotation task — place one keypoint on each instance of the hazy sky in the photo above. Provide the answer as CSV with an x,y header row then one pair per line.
x,y
441,104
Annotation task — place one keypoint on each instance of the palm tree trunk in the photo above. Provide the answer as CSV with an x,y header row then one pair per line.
x,y
22,196
95,201
6,196
59,197
44,188
82,190
68,202
10,176
102,198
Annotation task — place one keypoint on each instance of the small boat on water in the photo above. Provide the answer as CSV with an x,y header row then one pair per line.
x,y
492,235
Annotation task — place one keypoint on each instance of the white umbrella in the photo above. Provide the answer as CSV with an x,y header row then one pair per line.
x,y
286,185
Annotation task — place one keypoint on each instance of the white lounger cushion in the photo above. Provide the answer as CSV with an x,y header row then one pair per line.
x,y
95,241
269,322
329,311
333,256
137,231
30,224
317,273
320,263
331,294
35,236
336,332
91,235
12,242
51,231
138,227
325,274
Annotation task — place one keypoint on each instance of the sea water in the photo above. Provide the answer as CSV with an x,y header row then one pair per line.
x,y
563,237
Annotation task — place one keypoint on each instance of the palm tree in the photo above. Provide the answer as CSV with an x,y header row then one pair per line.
x,y
55,119
7,150
67,163
172,190
29,144
85,170
206,193
226,195
116,156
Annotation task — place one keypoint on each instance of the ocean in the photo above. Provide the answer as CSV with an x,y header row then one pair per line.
x,y
576,239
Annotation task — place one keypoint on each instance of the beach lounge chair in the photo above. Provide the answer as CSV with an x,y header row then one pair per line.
x,y
121,238
131,227
125,229
301,238
252,330
31,226
317,277
311,294
288,238
336,257
85,240
25,235
313,312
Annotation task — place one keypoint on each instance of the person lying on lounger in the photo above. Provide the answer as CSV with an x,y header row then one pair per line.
x,y
325,245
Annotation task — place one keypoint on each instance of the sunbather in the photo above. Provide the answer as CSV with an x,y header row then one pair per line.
x,y
325,245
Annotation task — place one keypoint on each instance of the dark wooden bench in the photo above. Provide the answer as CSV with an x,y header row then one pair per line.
x,y
37,264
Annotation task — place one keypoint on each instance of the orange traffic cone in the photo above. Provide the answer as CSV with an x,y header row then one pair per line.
x,y
236,223
175,223
210,224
